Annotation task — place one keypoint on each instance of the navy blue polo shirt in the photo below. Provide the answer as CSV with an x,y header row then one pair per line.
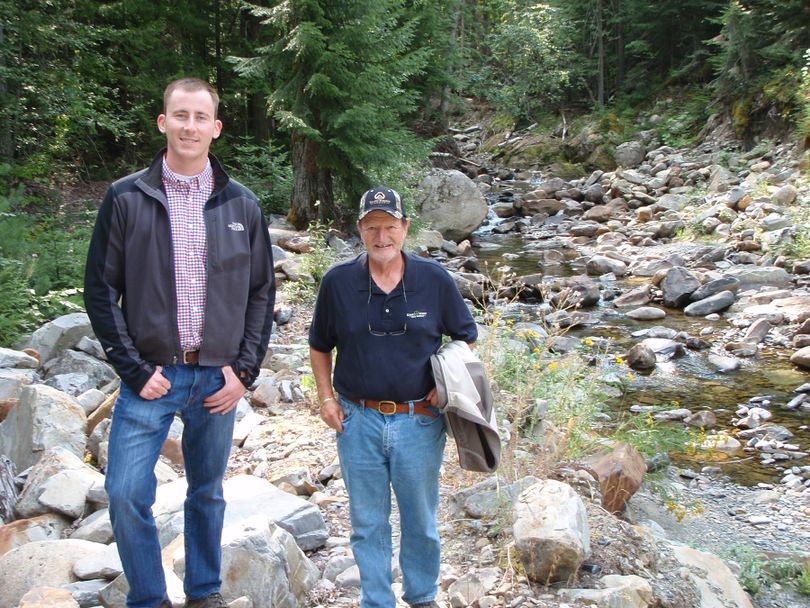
x,y
396,365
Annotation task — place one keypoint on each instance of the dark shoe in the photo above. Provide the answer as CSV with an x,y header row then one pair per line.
x,y
214,600
165,604
425,605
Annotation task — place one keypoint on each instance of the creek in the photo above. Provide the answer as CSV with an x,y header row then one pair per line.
x,y
687,382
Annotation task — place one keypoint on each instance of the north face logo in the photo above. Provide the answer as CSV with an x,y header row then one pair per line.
x,y
236,227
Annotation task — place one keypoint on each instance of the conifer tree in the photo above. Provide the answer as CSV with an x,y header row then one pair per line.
x,y
338,80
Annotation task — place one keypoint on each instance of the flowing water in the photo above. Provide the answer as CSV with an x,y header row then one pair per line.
x,y
688,382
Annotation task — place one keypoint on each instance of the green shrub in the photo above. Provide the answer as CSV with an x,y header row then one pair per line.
x,y
267,171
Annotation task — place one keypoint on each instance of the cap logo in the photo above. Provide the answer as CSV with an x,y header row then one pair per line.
x,y
379,199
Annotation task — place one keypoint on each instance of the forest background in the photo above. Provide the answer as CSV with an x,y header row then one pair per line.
x,y
322,99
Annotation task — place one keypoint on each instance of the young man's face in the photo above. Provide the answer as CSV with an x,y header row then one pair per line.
x,y
190,125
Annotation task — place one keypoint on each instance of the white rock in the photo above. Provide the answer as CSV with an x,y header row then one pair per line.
x,y
46,563
43,418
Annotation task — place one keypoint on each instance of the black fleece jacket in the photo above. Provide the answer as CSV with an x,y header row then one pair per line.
x,y
129,285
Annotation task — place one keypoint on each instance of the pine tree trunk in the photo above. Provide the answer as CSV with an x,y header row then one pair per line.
x,y
600,40
6,145
312,197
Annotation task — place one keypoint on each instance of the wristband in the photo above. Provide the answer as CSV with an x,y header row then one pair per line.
x,y
328,399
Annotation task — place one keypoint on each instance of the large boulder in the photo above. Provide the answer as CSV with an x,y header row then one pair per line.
x,y
678,285
76,362
715,581
629,154
451,203
45,563
22,531
551,531
17,358
620,474
43,418
60,482
60,334
263,563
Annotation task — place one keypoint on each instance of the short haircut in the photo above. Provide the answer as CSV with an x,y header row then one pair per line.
x,y
191,85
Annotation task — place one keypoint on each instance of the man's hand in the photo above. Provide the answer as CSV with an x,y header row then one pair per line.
x,y
226,398
332,414
433,397
157,386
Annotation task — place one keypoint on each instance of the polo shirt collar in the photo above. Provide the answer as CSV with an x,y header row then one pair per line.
x,y
361,272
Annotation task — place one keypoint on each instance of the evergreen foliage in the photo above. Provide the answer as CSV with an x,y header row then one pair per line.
x,y
339,75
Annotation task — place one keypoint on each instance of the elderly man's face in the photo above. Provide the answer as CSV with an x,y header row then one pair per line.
x,y
383,235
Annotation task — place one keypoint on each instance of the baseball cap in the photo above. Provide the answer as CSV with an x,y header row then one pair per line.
x,y
382,199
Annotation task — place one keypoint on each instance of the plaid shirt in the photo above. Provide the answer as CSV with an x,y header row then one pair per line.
x,y
187,197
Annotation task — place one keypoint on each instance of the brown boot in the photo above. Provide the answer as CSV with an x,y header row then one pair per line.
x,y
215,600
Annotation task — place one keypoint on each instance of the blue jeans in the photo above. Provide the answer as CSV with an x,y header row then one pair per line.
x,y
139,428
403,452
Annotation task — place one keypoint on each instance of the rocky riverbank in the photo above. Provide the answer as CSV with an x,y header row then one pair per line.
x,y
544,540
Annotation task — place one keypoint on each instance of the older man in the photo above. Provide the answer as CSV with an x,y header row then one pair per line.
x,y
179,288
385,311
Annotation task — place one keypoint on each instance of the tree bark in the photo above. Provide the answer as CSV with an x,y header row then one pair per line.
x,y
600,41
312,197
6,145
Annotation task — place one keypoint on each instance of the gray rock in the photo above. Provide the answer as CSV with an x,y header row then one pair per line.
x,y
105,564
724,364
73,384
785,195
638,296
678,285
73,361
629,154
801,358
485,498
43,418
263,562
640,357
60,334
45,563
17,358
53,465
716,303
90,400
551,531
599,265
646,313
96,527
12,381
760,275
451,203
85,592
714,287
337,565
21,531
92,347
757,331
664,347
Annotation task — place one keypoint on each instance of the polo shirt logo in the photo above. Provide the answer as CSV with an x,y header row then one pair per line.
x,y
236,227
416,314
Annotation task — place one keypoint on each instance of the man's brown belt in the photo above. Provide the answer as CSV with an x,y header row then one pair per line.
x,y
389,408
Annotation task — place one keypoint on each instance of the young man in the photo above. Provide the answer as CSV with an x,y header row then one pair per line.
x,y
386,312
179,287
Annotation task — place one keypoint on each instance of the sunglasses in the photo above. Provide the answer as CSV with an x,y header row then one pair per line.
x,y
374,332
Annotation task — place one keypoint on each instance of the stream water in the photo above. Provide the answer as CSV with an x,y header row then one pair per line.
x,y
687,382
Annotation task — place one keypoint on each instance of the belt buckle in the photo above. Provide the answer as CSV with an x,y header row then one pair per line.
x,y
383,408
186,353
